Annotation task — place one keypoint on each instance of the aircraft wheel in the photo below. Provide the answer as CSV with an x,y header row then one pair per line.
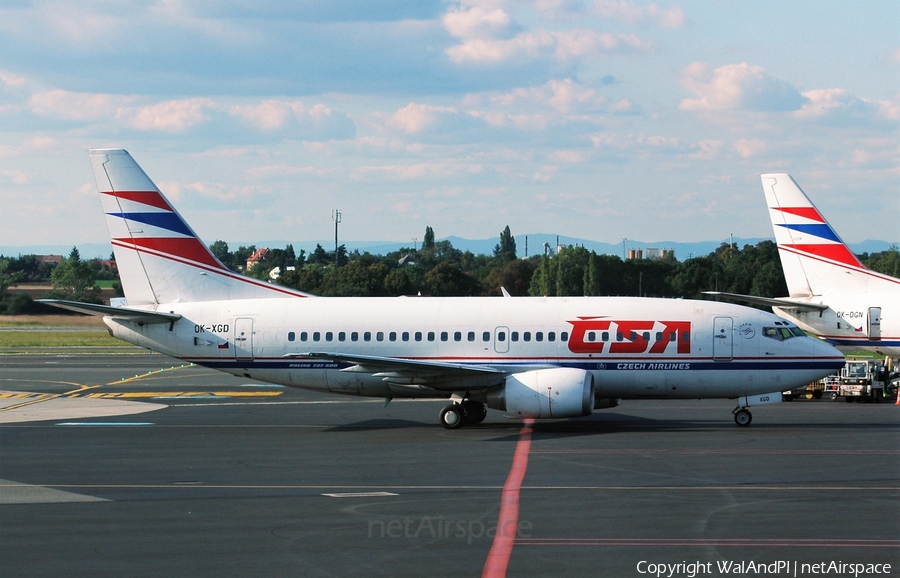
x,y
817,394
743,417
475,412
452,416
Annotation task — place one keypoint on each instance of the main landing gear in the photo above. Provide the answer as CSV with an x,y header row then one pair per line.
x,y
468,412
742,416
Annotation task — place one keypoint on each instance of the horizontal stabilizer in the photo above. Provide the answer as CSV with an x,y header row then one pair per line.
x,y
124,313
770,302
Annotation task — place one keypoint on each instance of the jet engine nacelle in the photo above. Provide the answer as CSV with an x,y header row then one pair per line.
x,y
545,393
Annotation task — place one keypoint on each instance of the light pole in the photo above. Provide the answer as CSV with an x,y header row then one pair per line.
x,y
336,217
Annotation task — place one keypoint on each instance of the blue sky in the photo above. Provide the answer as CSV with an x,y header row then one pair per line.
x,y
597,119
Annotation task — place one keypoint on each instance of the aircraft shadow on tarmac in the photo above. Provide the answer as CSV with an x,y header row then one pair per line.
x,y
608,423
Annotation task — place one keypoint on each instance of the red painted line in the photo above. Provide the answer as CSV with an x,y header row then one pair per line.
x,y
508,520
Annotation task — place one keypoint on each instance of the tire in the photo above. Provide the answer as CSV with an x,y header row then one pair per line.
x,y
743,418
474,412
452,417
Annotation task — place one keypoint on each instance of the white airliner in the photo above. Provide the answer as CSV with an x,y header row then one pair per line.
x,y
832,294
529,357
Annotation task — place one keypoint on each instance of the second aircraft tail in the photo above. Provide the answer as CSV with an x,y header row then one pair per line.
x,y
814,258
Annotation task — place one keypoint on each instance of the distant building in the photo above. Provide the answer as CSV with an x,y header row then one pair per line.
x,y
55,259
259,257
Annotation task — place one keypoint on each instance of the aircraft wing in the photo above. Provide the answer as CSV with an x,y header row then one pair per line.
x,y
771,302
124,313
416,373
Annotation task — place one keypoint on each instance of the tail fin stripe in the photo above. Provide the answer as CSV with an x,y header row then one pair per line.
x,y
151,198
838,253
187,250
821,231
806,212
167,221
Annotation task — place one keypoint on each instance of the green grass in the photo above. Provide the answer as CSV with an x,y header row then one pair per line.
x,y
105,284
59,339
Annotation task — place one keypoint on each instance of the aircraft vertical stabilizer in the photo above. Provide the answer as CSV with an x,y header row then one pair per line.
x,y
814,258
159,257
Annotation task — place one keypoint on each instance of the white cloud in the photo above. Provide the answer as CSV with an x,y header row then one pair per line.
x,y
563,45
477,21
415,118
171,115
564,95
747,148
737,87
636,14
836,106
84,106
11,79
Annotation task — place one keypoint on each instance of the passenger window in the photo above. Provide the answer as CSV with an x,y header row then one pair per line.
x,y
431,336
619,336
539,336
646,336
457,336
315,335
526,336
405,336
303,336
486,336
418,336
354,336
672,336
291,336
591,335
444,336
379,336
564,336
367,336
501,336
342,336
551,336
392,336
329,336
606,336
659,336
470,336
514,336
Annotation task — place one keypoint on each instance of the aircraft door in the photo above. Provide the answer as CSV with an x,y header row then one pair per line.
x,y
243,339
874,323
501,340
723,342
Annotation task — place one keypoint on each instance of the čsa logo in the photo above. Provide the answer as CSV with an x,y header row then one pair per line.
x,y
592,334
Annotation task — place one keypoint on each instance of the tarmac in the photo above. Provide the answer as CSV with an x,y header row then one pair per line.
x,y
140,465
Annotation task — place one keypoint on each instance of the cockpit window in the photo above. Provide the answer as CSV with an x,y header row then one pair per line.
x,y
783,332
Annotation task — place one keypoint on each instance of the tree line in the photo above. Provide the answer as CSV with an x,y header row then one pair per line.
x,y
439,269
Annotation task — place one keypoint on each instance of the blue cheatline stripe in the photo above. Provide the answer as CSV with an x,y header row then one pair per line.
x,y
115,423
821,231
862,342
592,365
168,221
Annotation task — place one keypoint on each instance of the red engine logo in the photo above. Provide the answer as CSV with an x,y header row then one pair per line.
x,y
592,334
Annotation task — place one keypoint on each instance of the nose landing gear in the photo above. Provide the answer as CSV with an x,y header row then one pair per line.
x,y
742,416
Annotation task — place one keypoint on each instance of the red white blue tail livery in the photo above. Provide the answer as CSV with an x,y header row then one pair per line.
x,y
159,257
